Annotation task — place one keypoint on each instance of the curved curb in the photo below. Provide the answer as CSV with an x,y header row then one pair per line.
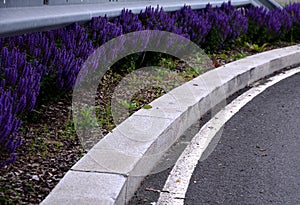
x,y
206,140
89,182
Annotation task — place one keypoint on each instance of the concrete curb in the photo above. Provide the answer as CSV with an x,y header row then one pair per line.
x,y
113,169
207,139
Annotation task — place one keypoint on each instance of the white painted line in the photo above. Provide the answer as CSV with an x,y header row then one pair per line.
x,y
177,183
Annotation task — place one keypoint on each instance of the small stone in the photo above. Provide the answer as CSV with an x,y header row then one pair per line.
x,y
35,165
35,177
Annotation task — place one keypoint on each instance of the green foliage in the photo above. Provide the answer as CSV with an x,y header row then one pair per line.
x,y
84,120
256,34
39,144
255,47
6,199
50,92
190,73
294,34
70,131
105,117
130,105
147,107
239,56
168,63
213,41
30,186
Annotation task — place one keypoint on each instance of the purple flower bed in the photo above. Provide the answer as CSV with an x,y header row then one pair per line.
x,y
268,26
19,87
32,64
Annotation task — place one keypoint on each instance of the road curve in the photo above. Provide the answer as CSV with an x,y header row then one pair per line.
x,y
257,160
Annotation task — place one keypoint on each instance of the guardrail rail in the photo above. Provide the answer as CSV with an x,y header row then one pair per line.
x,y
21,16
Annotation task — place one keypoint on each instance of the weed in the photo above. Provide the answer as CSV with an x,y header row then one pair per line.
x,y
239,56
58,145
190,73
130,106
223,56
168,63
39,145
132,66
256,47
6,198
105,117
85,120
147,107
69,129
27,184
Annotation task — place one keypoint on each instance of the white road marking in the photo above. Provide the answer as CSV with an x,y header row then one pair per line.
x,y
177,183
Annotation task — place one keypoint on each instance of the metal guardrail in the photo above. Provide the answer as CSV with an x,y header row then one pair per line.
x,y
20,3
30,3
266,3
26,3
20,16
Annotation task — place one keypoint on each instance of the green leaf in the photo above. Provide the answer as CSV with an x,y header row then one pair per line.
x,y
147,106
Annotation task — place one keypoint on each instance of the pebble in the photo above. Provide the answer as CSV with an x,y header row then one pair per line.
x,y
35,177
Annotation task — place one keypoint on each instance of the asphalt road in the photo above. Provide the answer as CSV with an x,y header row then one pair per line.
x,y
257,160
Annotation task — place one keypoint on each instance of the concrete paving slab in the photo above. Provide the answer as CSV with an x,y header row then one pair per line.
x,y
168,108
87,188
121,143
107,161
